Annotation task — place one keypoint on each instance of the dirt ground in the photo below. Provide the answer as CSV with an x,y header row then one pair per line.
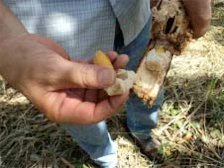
x,y
191,124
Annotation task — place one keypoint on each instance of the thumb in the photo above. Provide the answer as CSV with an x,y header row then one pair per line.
x,y
84,75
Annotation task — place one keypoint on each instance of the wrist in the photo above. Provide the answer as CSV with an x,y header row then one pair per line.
x,y
8,51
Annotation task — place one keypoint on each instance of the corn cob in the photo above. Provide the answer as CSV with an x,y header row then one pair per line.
x,y
170,34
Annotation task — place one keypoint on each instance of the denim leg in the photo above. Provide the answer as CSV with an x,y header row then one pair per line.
x,y
140,118
96,141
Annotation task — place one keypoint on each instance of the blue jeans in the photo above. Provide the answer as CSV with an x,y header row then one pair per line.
x,y
95,139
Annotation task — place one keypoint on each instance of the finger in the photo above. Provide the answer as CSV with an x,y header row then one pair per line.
x,y
199,13
112,55
91,95
121,61
89,112
76,93
59,106
81,75
109,107
102,95
118,61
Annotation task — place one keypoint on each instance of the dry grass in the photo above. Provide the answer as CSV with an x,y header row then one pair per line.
x,y
191,126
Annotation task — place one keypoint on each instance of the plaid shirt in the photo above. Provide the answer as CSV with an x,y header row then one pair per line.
x,y
82,26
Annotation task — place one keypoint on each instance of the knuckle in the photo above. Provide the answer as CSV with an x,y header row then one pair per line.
x,y
53,117
205,14
52,113
202,25
88,75
93,119
205,18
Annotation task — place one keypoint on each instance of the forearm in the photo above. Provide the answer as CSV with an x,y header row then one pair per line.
x,y
10,29
10,26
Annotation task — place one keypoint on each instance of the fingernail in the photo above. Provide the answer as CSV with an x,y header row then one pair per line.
x,y
106,76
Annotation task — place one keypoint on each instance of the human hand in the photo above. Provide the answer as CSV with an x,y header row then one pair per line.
x,y
42,71
199,12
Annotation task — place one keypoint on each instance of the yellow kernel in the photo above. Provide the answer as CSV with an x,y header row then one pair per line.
x,y
159,49
102,59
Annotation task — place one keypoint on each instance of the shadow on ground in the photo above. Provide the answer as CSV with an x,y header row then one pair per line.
x,y
194,108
